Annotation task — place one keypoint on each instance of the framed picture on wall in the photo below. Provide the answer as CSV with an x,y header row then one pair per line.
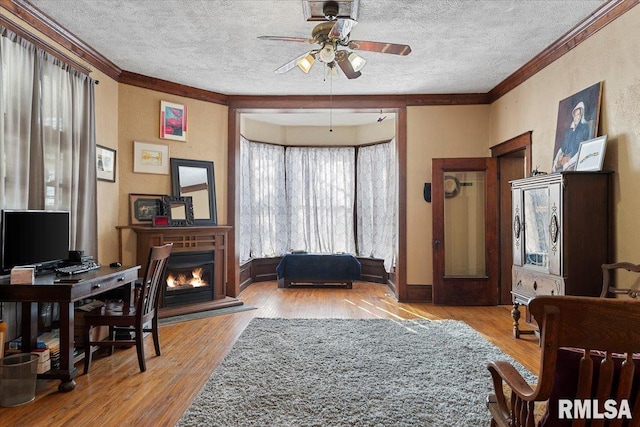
x,y
144,207
150,158
173,121
578,117
105,164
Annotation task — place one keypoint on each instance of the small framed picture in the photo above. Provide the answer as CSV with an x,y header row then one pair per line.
x,y
105,164
150,158
160,221
145,207
173,121
591,154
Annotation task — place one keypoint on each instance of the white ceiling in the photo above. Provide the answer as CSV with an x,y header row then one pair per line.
x,y
458,46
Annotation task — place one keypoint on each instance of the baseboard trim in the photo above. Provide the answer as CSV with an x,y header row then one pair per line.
x,y
419,293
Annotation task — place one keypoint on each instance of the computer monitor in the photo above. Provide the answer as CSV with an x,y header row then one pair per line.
x,y
34,237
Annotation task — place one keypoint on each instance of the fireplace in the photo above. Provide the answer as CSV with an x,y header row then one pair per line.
x,y
203,247
189,278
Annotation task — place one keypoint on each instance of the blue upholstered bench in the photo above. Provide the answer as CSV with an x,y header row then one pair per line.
x,y
308,268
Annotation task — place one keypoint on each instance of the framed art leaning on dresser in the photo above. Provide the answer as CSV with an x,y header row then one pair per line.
x,y
591,154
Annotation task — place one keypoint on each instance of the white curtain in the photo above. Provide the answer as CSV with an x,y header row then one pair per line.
x,y
321,198
263,206
47,137
244,242
304,198
377,202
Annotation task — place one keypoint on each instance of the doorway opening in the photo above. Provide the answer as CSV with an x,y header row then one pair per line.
x,y
238,113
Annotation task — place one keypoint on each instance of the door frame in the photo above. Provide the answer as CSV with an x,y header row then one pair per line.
x,y
516,147
463,290
397,280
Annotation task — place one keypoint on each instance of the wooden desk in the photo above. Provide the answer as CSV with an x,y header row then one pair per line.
x,y
65,294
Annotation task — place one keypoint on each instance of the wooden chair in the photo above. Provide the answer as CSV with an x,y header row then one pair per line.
x,y
609,291
572,329
131,319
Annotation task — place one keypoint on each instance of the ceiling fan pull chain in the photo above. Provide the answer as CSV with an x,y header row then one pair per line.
x,y
330,100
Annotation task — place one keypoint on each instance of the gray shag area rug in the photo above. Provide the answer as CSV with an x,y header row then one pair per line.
x,y
348,372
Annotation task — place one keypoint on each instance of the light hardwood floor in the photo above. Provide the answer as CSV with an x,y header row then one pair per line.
x,y
116,393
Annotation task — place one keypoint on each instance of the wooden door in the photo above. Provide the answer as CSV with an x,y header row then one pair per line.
x,y
514,162
510,168
465,231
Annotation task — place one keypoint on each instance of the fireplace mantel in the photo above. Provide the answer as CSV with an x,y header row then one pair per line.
x,y
190,239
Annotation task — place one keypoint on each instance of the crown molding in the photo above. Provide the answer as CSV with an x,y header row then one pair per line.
x,y
32,38
607,13
447,99
56,32
166,86
373,102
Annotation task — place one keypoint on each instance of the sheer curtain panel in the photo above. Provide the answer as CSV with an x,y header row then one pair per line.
x,y
263,200
47,137
377,202
321,198
244,226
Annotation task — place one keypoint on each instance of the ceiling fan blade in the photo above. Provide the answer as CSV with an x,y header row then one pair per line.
x,y
287,39
291,64
395,49
346,67
342,28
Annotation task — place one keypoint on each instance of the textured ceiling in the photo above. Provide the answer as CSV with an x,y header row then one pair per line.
x,y
458,46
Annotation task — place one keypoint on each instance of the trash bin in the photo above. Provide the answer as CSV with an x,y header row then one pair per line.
x,y
18,374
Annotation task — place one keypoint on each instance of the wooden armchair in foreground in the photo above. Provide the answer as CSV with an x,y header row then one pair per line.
x,y
587,353
131,319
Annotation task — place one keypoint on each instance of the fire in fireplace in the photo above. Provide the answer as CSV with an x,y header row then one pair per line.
x,y
194,280
189,278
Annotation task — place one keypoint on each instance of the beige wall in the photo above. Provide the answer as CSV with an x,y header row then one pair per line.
x,y
255,130
139,120
612,56
107,192
435,132
378,131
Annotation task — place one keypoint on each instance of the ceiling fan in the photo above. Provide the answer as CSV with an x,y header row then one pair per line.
x,y
334,43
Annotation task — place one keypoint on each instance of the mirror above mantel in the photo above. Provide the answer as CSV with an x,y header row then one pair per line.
x,y
195,179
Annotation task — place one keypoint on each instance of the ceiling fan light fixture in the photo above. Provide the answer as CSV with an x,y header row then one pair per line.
x,y
332,70
327,53
306,63
357,61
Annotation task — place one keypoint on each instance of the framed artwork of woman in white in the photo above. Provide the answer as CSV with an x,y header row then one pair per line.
x,y
578,117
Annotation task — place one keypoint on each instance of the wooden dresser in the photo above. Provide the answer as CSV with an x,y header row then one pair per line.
x,y
561,236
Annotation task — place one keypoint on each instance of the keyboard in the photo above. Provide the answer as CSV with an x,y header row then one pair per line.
x,y
70,270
